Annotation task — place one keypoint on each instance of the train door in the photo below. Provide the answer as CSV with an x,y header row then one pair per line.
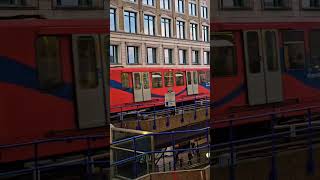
x,y
89,81
195,86
189,83
192,82
262,67
141,86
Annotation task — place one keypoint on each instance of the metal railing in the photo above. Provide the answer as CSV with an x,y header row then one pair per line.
x,y
87,159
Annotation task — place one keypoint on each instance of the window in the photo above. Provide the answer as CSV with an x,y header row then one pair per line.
x,y
182,56
168,56
48,62
206,56
165,4
137,81
151,56
195,77
114,54
204,12
156,80
132,55
254,57
224,62
204,77
148,2
13,3
195,57
294,49
88,77
311,4
125,80
168,79
149,25
180,6
75,3
113,20
235,4
180,30
192,9
314,64
205,33
132,0
130,24
166,27
193,31
276,3
179,79
271,50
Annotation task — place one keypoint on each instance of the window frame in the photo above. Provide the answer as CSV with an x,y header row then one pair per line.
x,y
129,18
161,78
136,51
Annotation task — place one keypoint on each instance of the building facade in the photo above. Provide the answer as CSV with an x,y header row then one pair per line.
x,y
54,9
158,33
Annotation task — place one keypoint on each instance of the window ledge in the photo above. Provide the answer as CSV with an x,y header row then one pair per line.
x,y
77,8
310,8
277,8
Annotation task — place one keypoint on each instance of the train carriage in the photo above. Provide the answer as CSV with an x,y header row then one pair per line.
x,y
53,77
139,88
264,67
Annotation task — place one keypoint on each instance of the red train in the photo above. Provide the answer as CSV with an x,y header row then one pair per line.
x,y
264,67
52,84
137,88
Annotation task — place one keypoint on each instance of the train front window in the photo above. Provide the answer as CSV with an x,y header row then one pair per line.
x,y
168,79
87,62
48,62
125,80
271,51
294,54
179,79
156,80
224,61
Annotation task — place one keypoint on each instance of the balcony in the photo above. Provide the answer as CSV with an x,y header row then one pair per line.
x,y
310,4
276,4
78,4
17,4
236,4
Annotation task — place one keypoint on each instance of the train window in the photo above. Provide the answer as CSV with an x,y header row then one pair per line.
x,y
271,51
294,49
179,79
125,80
48,62
137,81
224,61
195,77
88,77
189,78
253,52
315,50
168,79
156,80
203,77
146,81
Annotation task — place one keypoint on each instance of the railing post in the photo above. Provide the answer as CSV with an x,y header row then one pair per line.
x,y
195,107
121,118
135,168
154,117
88,161
182,115
168,118
310,162
207,107
173,151
273,174
138,121
231,166
36,165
